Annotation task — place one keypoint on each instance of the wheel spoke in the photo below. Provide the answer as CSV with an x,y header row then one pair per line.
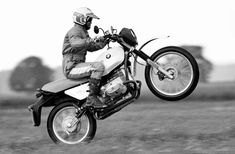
x,y
181,68
70,134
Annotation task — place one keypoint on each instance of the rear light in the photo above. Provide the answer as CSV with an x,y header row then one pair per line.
x,y
38,93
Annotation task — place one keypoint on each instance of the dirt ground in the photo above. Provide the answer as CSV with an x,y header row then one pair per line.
x,y
151,128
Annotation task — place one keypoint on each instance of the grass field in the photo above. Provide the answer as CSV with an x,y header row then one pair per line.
x,y
151,128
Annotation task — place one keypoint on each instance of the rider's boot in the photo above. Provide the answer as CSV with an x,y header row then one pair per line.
x,y
92,99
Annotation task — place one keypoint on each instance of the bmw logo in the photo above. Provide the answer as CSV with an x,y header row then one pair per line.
x,y
108,56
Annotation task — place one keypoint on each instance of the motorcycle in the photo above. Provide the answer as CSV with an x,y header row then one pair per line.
x,y
171,73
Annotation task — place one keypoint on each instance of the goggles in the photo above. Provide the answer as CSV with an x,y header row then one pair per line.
x,y
88,19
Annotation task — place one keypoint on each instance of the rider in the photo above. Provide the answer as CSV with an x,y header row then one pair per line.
x,y
76,44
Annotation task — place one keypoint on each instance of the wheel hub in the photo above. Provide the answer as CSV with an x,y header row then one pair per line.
x,y
169,69
173,72
69,126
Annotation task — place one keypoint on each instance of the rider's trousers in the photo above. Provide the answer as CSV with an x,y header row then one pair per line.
x,y
93,69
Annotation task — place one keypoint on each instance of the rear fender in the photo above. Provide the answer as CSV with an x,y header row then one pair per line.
x,y
36,108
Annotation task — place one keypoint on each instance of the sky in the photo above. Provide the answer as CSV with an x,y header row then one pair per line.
x,y
37,27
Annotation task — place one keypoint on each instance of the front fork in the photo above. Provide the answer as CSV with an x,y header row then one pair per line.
x,y
153,64
159,68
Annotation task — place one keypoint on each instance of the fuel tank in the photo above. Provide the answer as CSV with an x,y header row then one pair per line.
x,y
111,58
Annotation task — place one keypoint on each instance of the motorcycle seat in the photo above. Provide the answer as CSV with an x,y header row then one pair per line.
x,y
62,84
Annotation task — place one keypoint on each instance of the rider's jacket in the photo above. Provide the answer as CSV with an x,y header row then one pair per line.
x,y
76,44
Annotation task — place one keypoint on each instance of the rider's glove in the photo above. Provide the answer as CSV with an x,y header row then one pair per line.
x,y
97,42
101,39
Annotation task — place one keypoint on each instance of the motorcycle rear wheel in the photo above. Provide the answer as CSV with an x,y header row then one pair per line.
x,y
181,64
59,124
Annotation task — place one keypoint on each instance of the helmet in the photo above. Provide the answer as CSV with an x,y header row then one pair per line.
x,y
81,15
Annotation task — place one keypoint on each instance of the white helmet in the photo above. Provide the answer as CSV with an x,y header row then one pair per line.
x,y
81,15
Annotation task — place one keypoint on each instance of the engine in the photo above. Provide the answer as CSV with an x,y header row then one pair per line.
x,y
114,86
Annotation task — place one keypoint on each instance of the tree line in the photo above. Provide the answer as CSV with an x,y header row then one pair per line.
x,y
29,75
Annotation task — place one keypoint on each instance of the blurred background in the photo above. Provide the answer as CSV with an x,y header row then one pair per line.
x,y
32,34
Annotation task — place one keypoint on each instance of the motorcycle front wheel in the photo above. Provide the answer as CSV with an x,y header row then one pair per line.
x,y
181,64
64,127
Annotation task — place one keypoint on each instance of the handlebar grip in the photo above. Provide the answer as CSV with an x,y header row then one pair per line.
x,y
106,36
113,37
116,37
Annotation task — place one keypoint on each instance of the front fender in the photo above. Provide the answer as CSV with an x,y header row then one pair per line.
x,y
151,41
147,43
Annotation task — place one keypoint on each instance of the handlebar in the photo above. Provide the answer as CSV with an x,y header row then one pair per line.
x,y
113,37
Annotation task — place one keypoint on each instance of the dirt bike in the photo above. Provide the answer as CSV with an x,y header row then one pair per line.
x,y
171,73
